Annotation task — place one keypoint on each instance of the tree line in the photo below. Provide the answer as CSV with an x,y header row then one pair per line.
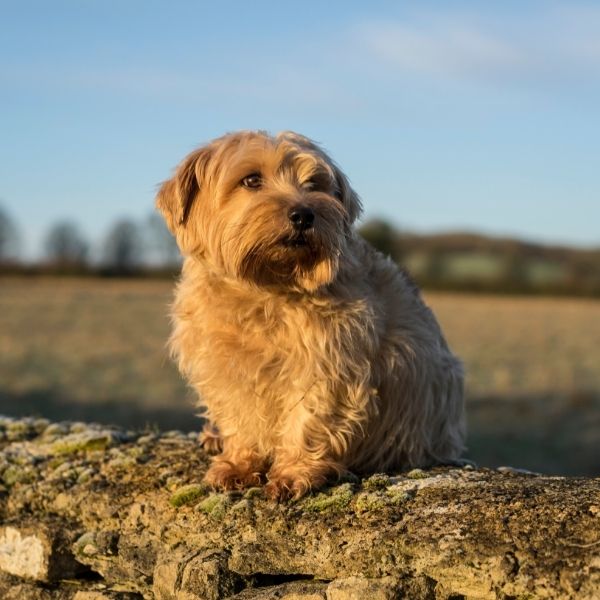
x,y
128,248
451,261
464,261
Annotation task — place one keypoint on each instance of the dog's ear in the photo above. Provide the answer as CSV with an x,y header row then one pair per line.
x,y
177,195
347,196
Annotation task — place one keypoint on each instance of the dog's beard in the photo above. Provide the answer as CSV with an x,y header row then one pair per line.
x,y
303,259
259,244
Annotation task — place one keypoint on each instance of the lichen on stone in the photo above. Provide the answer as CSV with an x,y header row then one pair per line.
x,y
188,494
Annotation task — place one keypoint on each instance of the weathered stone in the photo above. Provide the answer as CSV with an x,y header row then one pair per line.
x,y
297,590
105,595
359,588
23,555
132,512
37,552
195,576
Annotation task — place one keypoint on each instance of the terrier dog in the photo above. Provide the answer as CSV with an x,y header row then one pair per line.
x,y
312,353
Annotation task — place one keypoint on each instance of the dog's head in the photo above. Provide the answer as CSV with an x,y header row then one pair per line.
x,y
271,210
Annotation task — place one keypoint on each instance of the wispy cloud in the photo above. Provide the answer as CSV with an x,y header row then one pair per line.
x,y
554,43
442,48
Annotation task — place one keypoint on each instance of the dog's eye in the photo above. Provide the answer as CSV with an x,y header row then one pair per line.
x,y
252,181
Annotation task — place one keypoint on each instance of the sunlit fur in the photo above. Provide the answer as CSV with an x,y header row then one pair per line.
x,y
310,361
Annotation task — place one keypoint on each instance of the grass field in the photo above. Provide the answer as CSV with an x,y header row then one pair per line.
x,y
95,350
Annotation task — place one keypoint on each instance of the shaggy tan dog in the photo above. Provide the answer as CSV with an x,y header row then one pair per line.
x,y
312,353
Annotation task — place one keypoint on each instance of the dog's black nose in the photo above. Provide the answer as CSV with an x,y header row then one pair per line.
x,y
302,218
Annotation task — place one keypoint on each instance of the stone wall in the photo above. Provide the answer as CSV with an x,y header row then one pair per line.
x,y
90,513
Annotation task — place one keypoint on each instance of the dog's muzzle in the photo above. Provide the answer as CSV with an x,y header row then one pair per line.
x,y
301,218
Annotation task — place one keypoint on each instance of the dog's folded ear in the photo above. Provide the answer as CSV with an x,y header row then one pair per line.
x,y
176,196
348,197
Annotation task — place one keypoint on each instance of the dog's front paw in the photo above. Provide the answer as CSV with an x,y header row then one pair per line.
x,y
226,475
210,439
286,488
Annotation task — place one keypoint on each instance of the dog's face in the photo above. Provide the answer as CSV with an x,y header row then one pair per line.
x,y
271,210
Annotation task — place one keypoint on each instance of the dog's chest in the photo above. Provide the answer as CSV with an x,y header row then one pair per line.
x,y
252,339
276,343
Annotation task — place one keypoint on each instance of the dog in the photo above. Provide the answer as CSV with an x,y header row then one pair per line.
x,y
313,355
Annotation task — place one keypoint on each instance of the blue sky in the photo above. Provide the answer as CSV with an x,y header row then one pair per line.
x,y
445,115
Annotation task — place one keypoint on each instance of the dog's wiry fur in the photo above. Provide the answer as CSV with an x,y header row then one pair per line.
x,y
311,357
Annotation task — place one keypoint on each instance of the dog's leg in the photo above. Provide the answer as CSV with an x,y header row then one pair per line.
x,y
210,439
310,452
236,468
319,434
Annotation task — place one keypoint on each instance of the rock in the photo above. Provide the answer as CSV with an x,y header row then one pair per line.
x,y
97,514
37,552
359,588
105,595
298,590
23,555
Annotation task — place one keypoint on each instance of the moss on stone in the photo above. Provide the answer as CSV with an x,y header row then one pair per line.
x,y
244,505
134,451
417,474
20,426
254,492
56,461
78,427
85,475
378,481
122,462
368,501
40,425
17,474
334,500
215,506
81,443
20,430
188,494
374,500
396,496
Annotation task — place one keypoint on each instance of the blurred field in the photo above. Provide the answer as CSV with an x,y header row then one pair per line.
x,y
95,350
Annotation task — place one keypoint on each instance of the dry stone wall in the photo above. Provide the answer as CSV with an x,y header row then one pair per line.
x,y
93,513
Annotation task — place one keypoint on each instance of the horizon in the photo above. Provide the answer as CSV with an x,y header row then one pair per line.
x,y
477,118
154,256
